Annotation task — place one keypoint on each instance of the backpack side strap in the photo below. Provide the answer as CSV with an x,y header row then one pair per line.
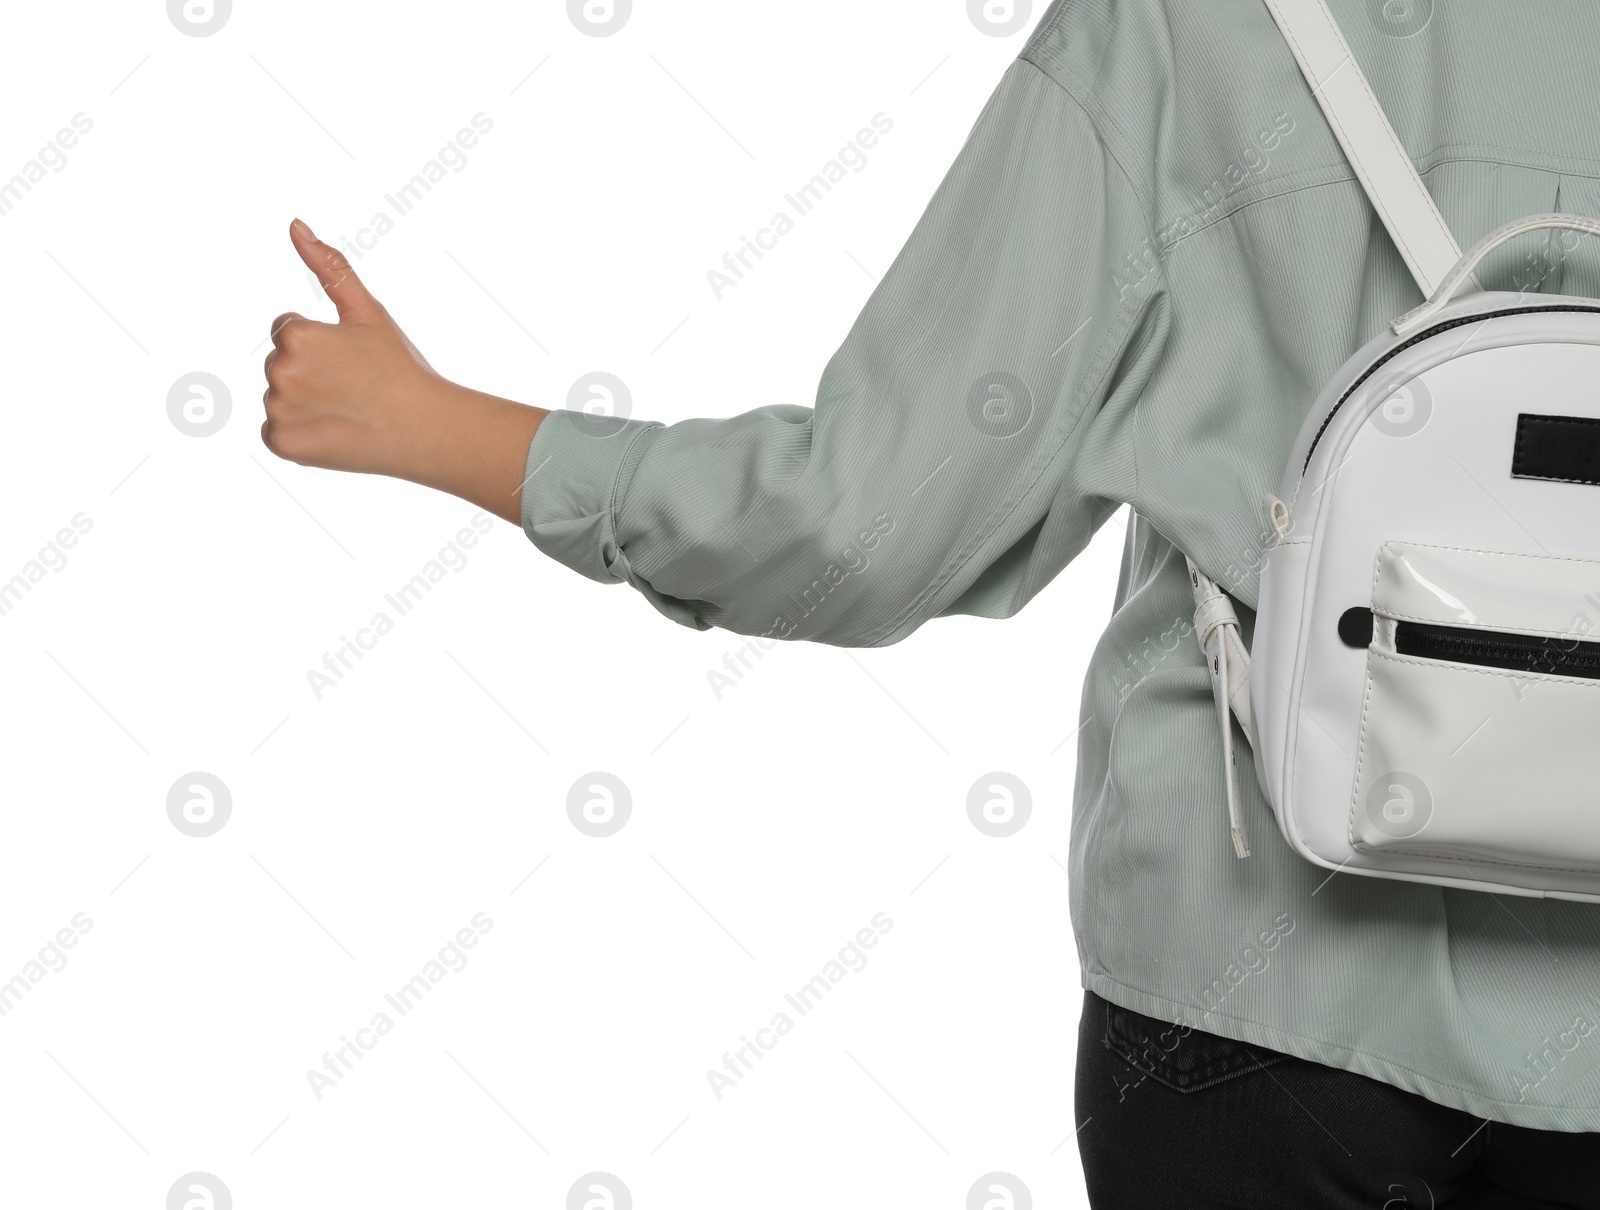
x,y
1216,626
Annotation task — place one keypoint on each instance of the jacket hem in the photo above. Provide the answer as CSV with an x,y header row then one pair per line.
x,y
1570,1119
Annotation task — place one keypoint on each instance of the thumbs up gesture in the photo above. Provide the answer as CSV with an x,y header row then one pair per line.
x,y
356,395
341,395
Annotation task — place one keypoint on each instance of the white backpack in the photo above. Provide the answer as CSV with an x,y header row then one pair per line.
x,y
1423,697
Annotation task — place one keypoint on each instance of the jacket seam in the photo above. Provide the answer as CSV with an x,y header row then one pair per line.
x,y
1103,125
619,489
1117,145
1378,200
1342,174
1256,201
1046,27
1479,153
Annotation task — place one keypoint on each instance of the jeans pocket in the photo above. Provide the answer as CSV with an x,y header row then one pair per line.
x,y
1180,1057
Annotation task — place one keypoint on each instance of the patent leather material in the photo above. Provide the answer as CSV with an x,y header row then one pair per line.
x,y
1459,759
1533,594
1406,504
1472,764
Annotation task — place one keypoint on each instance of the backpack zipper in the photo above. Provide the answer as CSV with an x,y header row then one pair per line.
x,y
1495,649
1459,322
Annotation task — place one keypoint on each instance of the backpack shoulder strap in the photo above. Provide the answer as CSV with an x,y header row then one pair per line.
x,y
1374,150
1401,198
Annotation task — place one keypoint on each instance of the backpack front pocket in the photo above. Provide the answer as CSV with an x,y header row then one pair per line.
x,y
1480,729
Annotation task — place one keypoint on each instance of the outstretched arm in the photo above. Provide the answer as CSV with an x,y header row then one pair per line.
x,y
942,470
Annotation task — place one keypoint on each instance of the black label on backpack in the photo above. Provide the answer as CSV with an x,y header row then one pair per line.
x,y
1563,448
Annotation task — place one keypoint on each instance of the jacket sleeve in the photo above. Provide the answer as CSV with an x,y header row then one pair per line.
x,y
935,473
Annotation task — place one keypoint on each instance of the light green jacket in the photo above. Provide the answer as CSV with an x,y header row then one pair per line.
x,y
1147,259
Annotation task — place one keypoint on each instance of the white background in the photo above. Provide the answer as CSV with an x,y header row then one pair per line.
x,y
367,827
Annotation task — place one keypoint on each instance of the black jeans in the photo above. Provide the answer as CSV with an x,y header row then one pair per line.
x,y
1173,1117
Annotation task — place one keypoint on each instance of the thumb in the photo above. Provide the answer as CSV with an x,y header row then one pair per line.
x,y
352,298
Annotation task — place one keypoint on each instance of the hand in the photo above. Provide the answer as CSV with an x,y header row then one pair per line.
x,y
356,395
348,396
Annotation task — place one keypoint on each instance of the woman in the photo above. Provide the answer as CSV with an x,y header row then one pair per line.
x,y
1148,257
